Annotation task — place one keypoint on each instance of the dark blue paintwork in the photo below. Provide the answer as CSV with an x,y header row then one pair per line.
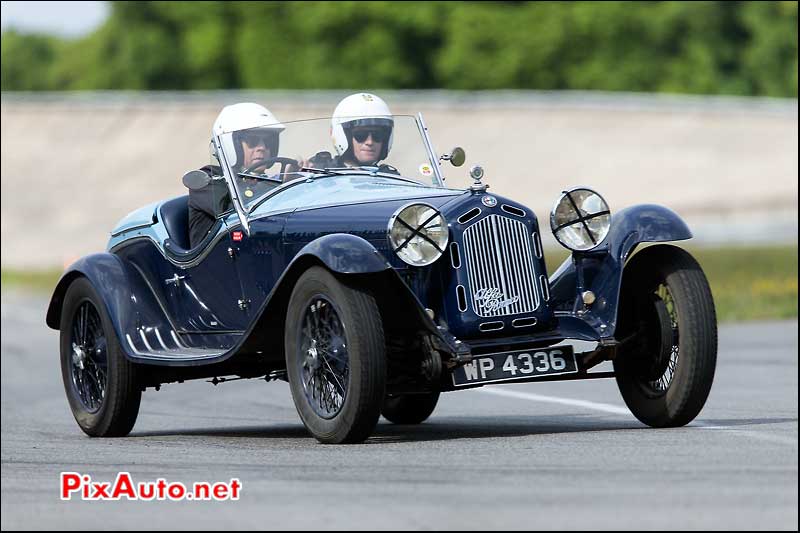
x,y
127,298
601,270
168,312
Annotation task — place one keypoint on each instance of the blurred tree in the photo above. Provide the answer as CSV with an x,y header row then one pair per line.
x,y
26,60
769,62
722,47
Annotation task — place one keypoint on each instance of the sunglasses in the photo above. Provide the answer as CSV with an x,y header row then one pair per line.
x,y
379,135
254,139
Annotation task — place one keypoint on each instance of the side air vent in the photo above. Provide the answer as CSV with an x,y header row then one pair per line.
x,y
545,287
469,215
524,322
537,245
510,209
461,295
491,326
455,256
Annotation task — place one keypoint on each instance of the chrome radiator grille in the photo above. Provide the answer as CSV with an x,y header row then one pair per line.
x,y
499,263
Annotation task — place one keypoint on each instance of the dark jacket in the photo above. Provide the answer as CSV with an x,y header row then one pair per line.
x,y
205,205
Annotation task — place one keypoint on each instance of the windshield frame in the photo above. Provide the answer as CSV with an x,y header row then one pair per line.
x,y
243,210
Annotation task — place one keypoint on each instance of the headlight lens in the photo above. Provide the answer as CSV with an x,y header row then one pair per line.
x,y
580,219
418,234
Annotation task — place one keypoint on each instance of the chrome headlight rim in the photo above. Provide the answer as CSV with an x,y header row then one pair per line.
x,y
597,238
398,250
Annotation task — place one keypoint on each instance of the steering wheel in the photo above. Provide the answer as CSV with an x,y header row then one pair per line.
x,y
267,163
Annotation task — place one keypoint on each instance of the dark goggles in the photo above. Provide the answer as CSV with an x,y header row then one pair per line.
x,y
379,135
254,139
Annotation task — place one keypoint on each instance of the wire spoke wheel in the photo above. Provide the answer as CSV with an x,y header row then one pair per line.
x,y
335,357
667,325
89,359
323,358
101,384
662,369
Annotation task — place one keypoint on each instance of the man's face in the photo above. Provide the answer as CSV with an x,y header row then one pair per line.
x,y
368,143
254,148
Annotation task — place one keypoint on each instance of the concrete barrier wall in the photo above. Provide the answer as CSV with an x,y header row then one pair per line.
x,y
72,165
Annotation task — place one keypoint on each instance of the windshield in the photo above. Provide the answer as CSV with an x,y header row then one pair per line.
x,y
262,159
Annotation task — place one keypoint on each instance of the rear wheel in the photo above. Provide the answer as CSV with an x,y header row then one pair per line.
x,y
409,408
335,357
667,322
99,381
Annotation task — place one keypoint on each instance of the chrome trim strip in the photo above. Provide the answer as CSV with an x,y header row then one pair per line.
x,y
545,287
176,339
144,339
131,228
221,234
160,340
170,357
524,322
492,326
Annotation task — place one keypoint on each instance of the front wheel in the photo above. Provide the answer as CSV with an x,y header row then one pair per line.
x,y
668,328
335,357
100,382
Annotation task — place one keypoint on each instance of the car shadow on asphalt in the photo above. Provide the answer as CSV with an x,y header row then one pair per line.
x,y
436,429
732,422
445,428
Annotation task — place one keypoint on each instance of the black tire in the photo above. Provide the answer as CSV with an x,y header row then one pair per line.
x,y
667,322
99,381
335,357
409,408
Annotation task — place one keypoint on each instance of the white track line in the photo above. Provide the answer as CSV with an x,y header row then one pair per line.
x,y
616,410
604,407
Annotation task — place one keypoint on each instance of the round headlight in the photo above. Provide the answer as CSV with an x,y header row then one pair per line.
x,y
580,220
418,234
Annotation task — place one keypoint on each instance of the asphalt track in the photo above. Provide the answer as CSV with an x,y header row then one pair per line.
x,y
533,456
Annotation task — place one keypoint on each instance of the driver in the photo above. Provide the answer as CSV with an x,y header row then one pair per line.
x,y
362,128
254,140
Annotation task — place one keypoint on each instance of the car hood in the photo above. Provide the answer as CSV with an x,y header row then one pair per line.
x,y
345,190
366,218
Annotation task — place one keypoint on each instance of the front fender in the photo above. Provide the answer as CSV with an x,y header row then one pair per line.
x,y
346,254
603,267
127,298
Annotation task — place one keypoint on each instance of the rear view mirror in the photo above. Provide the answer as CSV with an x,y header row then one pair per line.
x,y
196,179
456,157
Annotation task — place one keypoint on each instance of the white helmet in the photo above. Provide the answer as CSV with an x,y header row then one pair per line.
x,y
247,116
360,109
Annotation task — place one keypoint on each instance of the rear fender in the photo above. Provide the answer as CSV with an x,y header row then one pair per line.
x,y
127,298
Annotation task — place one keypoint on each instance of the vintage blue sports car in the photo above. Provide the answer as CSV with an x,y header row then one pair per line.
x,y
372,290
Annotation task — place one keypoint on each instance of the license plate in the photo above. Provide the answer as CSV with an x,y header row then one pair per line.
x,y
520,364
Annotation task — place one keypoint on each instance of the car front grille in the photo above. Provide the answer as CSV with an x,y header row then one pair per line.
x,y
499,261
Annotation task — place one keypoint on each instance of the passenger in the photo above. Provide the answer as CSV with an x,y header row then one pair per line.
x,y
255,139
362,129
